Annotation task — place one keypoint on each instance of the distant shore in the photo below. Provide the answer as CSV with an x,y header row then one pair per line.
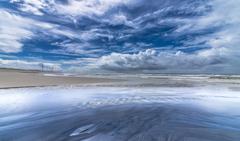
x,y
14,78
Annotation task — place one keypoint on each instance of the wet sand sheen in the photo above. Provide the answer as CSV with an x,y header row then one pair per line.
x,y
137,109
128,122
119,114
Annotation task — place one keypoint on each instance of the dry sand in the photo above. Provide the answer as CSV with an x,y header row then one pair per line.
x,y
12,78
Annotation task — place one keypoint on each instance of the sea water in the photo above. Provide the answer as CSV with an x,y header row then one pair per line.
x,y
145,107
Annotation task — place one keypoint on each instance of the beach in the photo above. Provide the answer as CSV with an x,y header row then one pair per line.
x,y
13,78
116,107
119,70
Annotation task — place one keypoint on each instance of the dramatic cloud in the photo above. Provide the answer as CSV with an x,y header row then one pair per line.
x,y
13,29
124,35
150,60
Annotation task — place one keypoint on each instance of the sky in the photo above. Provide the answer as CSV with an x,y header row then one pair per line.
x,y
126,36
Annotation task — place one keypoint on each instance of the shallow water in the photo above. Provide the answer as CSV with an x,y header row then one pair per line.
x,y
201,78
120,113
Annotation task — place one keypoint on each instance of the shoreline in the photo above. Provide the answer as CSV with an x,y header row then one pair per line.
x,y
21,79
10,78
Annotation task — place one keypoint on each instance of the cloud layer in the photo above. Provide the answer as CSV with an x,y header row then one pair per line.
x,y
18,64
123,35
150,60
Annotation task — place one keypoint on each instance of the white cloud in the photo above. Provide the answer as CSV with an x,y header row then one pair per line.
x,y
13,29
29,8
8,56
141,44
150,60
96,9
81,61
73,7
124,37
220,29
18,64
224,17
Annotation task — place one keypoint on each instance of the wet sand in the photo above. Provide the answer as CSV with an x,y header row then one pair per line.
x,y
117,114
136,109
11,78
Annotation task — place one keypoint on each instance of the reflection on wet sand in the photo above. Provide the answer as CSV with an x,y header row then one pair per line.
x,y
123,122
101,112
